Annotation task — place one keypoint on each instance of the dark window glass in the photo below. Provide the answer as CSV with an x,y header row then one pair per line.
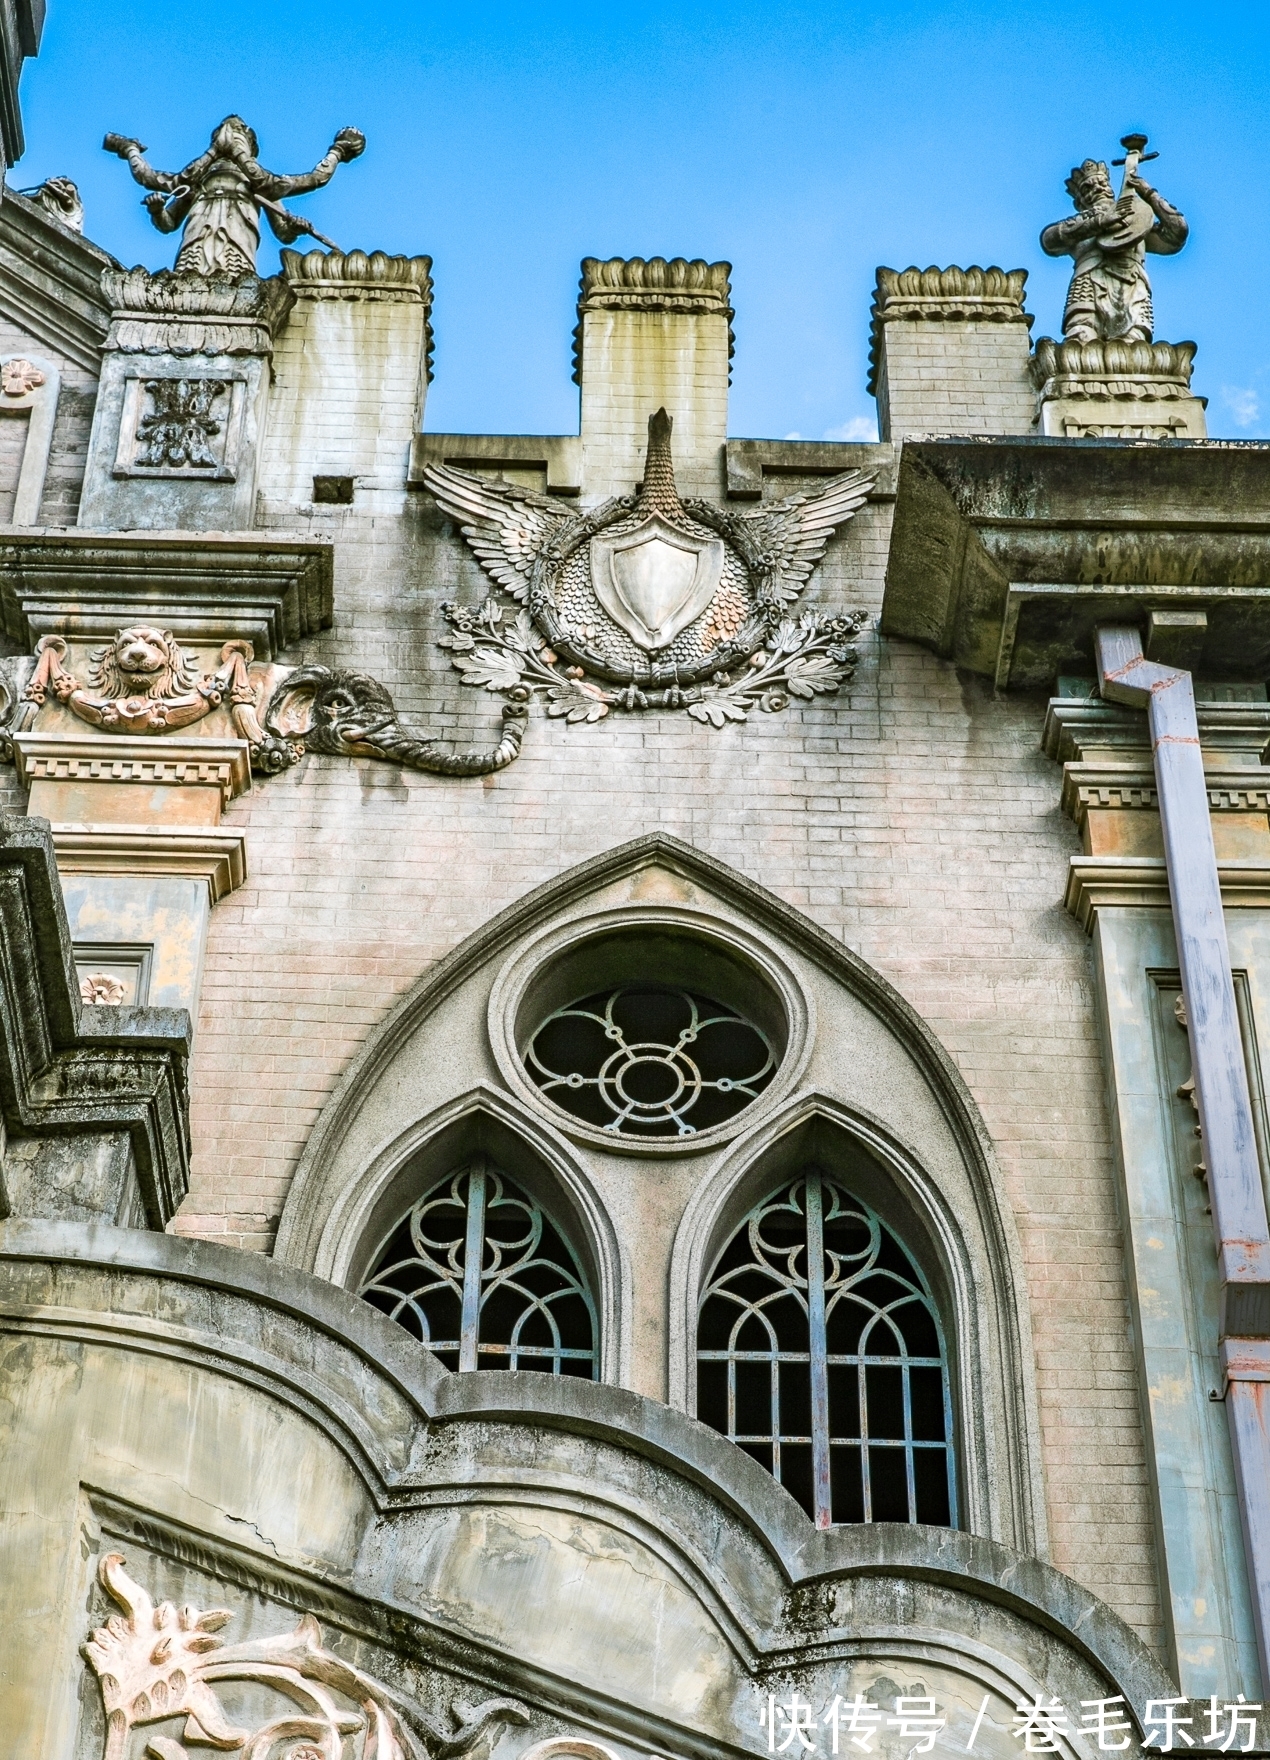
x,y
645,1060
819,1351
480,1275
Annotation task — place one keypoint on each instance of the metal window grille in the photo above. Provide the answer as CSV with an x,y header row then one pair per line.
x,y
646,1060
480,1275
820,1353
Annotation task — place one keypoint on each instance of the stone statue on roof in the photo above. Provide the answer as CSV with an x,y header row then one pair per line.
x,y
1108,237
218,197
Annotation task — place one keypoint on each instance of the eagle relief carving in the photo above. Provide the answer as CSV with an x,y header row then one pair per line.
x,y
648,601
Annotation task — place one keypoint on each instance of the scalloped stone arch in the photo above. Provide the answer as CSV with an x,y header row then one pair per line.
x,y
963,1249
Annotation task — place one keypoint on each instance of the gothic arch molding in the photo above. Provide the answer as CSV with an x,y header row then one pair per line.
x,y
967,1256
347,1221
876,1067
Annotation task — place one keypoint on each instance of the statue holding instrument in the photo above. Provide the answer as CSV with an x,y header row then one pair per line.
x,y
1108,237
218,197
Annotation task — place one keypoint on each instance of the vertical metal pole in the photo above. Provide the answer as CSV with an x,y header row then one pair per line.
x,y
819,1365
473,1262
1235,1189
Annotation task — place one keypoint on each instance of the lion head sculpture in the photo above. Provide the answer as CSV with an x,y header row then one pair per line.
x,y
143,662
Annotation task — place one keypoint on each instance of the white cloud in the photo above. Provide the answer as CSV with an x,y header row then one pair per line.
x,y
1242,402
794,436
858,428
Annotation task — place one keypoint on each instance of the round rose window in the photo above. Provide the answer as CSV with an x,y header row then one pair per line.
x,y
650,1060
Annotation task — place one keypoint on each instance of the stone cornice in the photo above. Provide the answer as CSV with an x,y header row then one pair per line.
x,y
1088,730
1125,786
653,284
271,589
164,761
989,295
66,1069
50,281
214,854
1098,882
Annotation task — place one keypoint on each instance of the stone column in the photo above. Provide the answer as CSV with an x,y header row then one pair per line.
x,y
351,374
653,335
949,352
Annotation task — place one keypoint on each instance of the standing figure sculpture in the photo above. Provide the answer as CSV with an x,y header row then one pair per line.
x,y
219,195
1109,236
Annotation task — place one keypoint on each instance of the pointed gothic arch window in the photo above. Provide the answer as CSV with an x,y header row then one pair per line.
x,y
478,1272
820,1352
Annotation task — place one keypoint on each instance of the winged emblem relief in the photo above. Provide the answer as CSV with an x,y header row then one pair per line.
x,y
649,601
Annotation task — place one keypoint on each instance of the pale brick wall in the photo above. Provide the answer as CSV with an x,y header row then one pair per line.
x,y
635,363
954,376
913,817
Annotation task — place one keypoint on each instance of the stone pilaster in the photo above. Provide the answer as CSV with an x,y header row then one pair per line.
x,y
949,352
653,335
1117,390
351,374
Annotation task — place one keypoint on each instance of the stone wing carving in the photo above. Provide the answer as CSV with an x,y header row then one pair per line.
x,y
507,528
791,535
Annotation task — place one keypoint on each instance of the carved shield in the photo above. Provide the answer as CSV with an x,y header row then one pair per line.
x,y
655,580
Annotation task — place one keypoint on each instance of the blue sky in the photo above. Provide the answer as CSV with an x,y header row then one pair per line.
x,y
806,143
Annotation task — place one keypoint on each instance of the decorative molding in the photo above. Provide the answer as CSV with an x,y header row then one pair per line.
x,y
364,275
1107,368
1100,882
653,284
268,589
166,313
1127,787
955,295
216,854
33,386
160,761
156,1664
351,715
650,602
142,682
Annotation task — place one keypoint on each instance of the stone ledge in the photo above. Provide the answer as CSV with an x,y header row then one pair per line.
x,y
271,589
1097,883
163,761
1126,786
214,854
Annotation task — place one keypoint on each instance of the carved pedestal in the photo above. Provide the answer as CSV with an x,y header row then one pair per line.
x,y
1117,390
180,413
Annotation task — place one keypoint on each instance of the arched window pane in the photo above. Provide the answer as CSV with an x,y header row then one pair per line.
x,y
478,1273
820,1353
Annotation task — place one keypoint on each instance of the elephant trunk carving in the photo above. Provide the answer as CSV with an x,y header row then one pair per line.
x,y
350,714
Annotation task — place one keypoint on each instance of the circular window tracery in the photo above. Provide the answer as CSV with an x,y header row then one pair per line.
x,y
650,1060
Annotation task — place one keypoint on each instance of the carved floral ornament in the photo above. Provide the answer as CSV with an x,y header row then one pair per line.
x,y
648,601
166,1666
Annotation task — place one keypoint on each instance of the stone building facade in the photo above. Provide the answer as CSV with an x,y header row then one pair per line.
x,y
600,1142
